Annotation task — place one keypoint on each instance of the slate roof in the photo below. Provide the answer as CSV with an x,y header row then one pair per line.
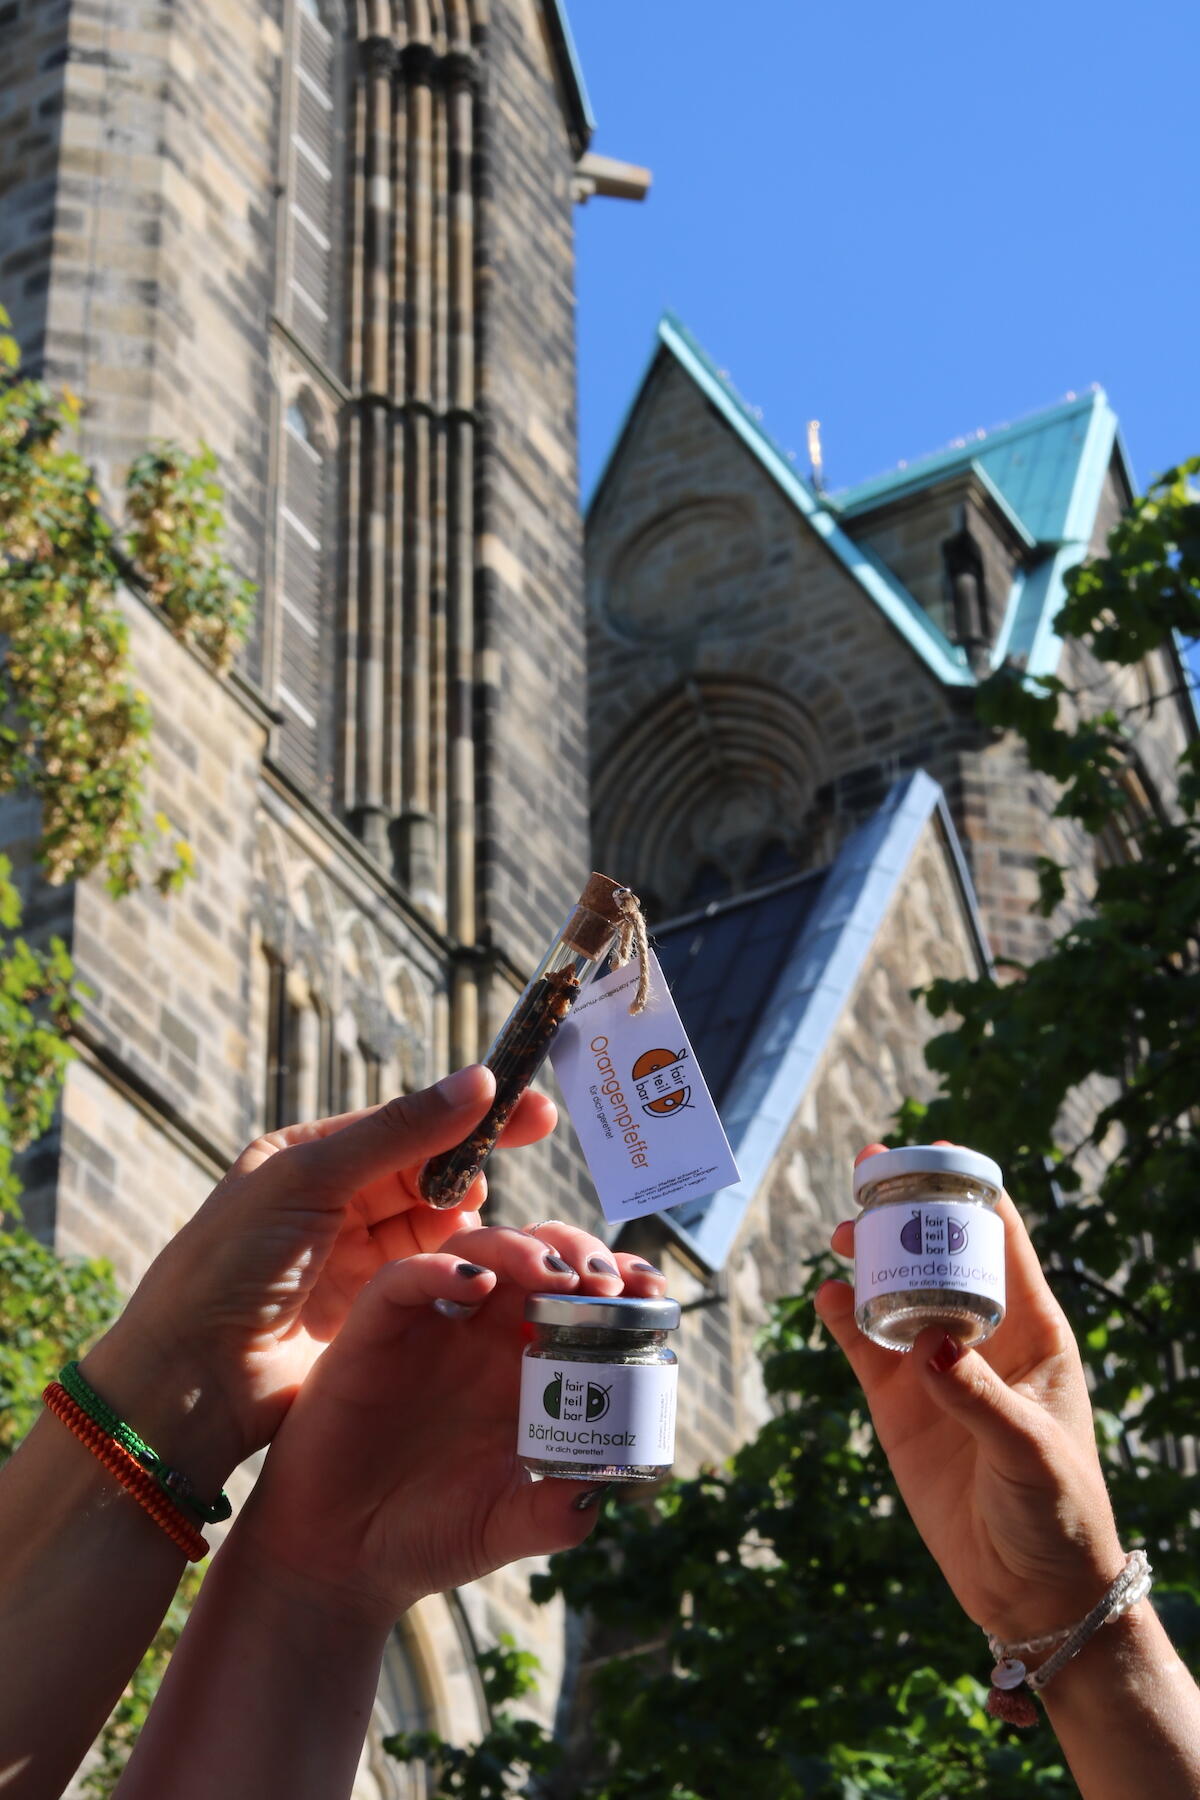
x,y
761,982
722,964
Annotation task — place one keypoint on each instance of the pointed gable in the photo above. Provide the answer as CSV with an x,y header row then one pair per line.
x,y
1044,477
676,344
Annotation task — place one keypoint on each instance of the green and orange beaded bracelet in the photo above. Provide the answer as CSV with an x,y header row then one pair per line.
x,y
173,1482
127,1471
164,1492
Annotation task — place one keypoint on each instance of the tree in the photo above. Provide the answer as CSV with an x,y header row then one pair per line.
x,y
485,1771
74,736
776,1627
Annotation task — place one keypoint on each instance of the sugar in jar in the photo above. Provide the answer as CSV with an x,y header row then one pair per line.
x,y
928,1245
598,1388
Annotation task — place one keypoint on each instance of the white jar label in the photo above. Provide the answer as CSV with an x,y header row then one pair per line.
x,y
934,1245
597,1413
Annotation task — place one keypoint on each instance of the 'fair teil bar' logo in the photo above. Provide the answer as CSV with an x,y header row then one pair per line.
x,y
570,1399
922,1235
660,1082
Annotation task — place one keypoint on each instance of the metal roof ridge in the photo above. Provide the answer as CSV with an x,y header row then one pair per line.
x,y
581,119
901,489
960,451
815,983
670,324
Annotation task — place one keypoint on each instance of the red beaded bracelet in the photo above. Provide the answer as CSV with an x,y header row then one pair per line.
x,y
127,1470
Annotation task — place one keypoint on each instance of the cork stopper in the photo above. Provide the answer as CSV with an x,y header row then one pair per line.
x,y
599,896
597,915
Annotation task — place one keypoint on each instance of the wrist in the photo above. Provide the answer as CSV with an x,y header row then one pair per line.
x,y
171,1400
1124,1657
330,1600
1058,1599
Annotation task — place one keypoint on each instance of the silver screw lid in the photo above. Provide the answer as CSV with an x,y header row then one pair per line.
x,y
927,1159
602,1313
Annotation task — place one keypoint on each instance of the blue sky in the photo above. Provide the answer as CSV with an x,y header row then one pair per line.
x,y
906,221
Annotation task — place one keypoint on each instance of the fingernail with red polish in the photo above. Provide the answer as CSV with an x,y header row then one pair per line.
x,y
946,1354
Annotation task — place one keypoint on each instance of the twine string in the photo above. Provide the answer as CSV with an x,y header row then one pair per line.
x,y
631,937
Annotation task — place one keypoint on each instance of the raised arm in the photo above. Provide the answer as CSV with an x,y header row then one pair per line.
x,y
203,1364
994,1453
394,1476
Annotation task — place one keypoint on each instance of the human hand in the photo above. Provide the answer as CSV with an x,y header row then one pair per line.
x,y
994,1450
232,1315
395,1473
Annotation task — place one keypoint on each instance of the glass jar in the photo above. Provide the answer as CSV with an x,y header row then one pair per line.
x,y
928,1245
598,1388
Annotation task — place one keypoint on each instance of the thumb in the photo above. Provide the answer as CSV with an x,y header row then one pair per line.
x,y
960,1383
402,1132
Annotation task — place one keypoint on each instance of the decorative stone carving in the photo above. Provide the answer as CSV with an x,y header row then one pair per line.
x,y
680,572
715,770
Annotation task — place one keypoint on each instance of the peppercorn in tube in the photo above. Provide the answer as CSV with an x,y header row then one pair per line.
x,y
576,955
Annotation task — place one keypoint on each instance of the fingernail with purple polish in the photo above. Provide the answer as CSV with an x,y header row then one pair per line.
x,y
557,1264
450,1309
646,1268
593,1497
468,1271
599,1265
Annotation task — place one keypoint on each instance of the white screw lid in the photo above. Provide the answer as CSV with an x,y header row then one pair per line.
x,y
927,1159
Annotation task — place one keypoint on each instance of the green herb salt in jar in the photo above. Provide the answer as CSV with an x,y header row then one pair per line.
x,y
598,1388
928,1245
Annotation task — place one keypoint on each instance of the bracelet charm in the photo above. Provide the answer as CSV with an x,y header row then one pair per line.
x,y
1010,1675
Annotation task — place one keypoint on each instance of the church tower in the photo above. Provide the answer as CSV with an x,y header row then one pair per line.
x,y
334,240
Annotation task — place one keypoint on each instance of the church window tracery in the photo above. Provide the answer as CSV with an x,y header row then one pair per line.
x,y
303,1074
712,791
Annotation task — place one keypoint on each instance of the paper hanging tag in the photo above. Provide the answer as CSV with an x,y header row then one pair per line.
x,y
637,1099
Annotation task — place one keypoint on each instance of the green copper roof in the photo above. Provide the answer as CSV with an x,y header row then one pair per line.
x,y
1047,468
1046,473
579,107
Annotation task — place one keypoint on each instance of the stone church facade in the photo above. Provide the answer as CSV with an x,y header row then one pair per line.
x,y
333,238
